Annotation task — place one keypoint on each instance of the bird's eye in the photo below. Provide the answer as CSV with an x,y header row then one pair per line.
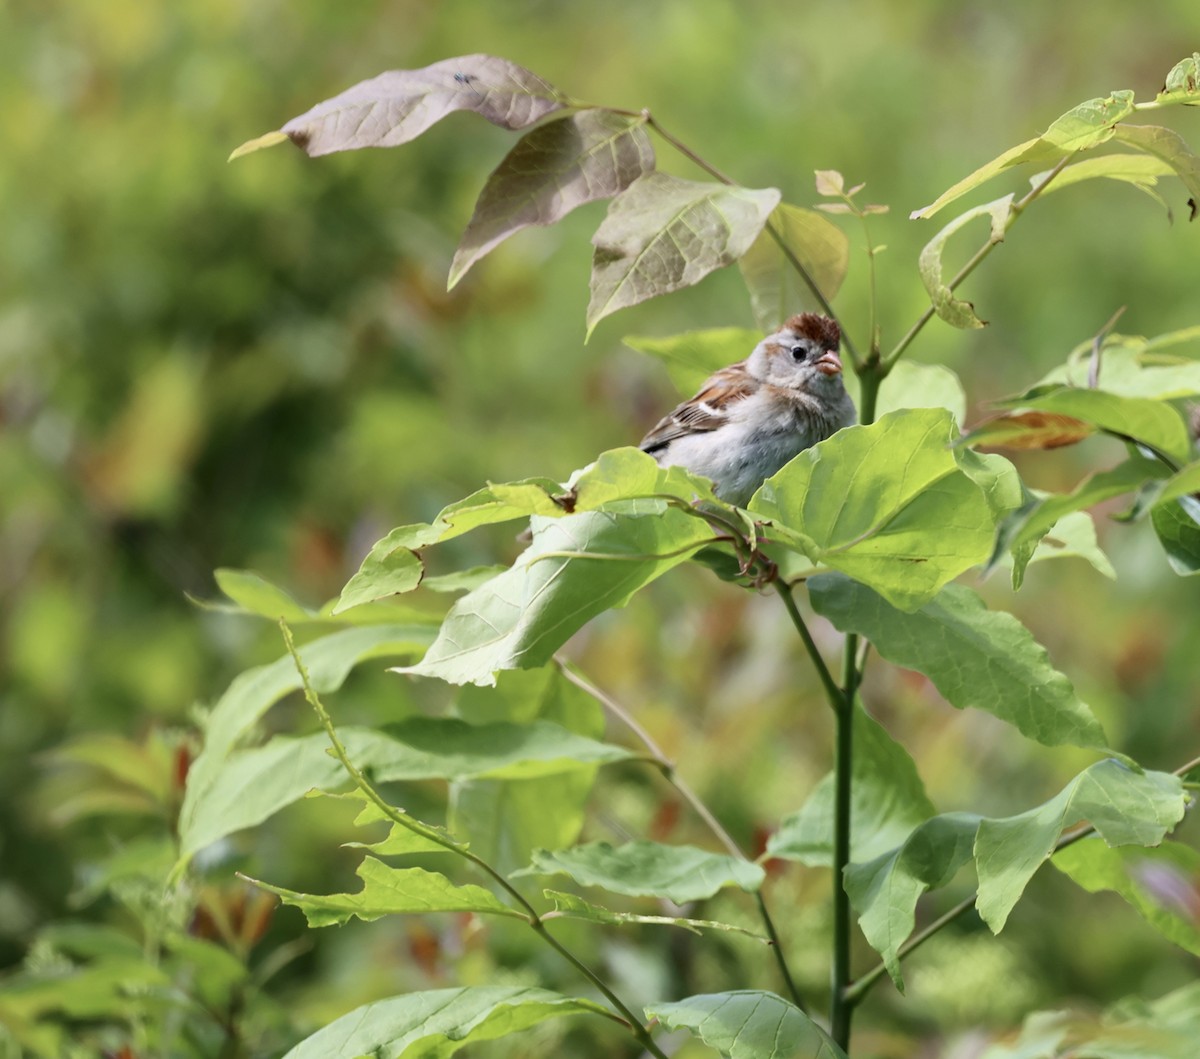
x,y
798,353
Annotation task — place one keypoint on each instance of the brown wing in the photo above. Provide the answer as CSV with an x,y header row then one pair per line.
x,y
707,411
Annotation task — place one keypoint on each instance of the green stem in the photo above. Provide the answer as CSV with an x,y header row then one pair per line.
x,y
671,775
840,1009
832,692
628,1018
1017,209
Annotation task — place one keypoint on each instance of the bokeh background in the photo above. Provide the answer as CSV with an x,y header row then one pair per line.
x,y
257,365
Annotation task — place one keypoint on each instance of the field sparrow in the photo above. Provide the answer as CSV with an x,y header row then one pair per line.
x,y
750,418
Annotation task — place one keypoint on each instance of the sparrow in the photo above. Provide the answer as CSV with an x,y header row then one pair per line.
x,y
752,417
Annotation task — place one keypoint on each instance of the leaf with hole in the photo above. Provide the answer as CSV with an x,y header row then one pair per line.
x,y
557,167
662,234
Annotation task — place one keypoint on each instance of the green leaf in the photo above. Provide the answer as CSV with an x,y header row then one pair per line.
x,y
1030,151
394,564
555,168
748,1024
1155,424
568,906
913,385
1091,123
649,869
630,474
507,820
256,595
693,356
954,311
1179,535
1134,367
328,660
1085,126
1023,529
776,289
907,517
1160,883
1074,536
437,1022
399,105
1125,807
577,567
885,890
253,785
888,801
392,891
1139,170
663,234
975,657
1182,84
1169,146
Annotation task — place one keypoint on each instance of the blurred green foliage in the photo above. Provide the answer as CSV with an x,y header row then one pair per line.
x,y
257,365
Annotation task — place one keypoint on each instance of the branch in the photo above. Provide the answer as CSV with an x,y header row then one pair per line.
x,y
832,692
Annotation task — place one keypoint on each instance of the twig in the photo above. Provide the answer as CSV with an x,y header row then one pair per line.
x,y
671,775
627,1018
832,692
1097,345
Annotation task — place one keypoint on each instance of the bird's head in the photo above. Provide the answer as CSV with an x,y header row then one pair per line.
x,y
801,355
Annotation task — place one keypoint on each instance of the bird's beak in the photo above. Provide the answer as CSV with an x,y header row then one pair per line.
x,y
828,363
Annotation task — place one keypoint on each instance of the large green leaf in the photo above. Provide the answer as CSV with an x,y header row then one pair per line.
x,y
1134,367
663,234
885,890
888,801
1152,423
557,167
776,289
1125,807
576,567
391,891
649,869
748,1024
913,385
1021,531
399,105
891,504
328,661
1161,883
437,1022
974,656
693,356
953,310
254,784
506,820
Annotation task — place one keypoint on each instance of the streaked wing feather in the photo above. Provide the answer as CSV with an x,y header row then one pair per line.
x,y
708,410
